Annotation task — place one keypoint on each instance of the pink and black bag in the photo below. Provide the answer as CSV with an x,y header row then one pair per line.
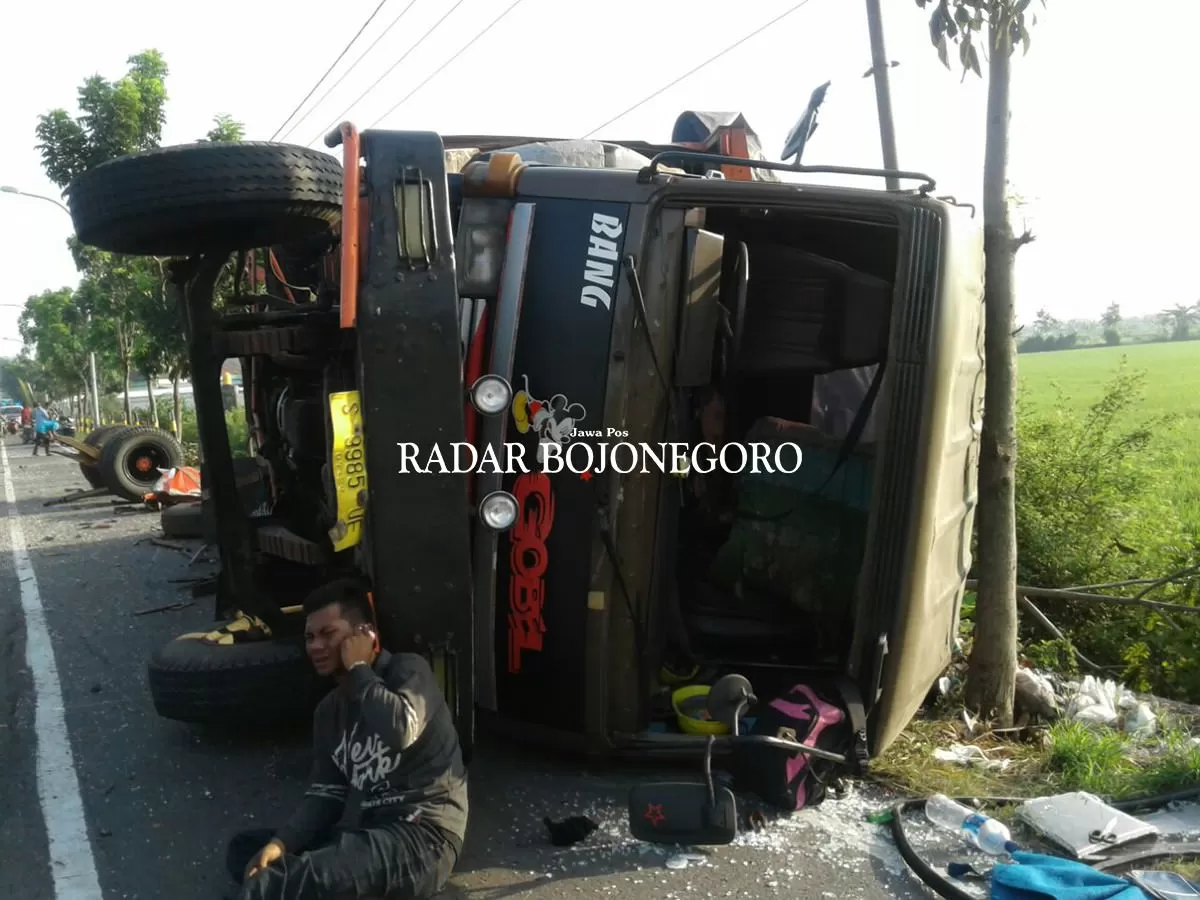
x,y
833,720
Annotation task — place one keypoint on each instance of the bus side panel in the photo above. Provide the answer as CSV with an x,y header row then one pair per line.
x,y
559,381
925,624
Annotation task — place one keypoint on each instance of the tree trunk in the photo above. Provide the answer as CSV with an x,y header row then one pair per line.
x,y
177,406
128,410
993,664
153,401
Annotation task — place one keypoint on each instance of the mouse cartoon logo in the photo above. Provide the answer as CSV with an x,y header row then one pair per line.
x,y
553,421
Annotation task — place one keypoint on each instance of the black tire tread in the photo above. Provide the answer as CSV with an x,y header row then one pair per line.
x,y
95,438
264,680
206,197
110,455
183,520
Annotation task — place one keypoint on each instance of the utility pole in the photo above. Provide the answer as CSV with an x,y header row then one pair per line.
x,y
883,94
9,189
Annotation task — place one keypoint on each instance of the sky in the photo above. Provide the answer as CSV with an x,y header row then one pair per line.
x,y
1100,133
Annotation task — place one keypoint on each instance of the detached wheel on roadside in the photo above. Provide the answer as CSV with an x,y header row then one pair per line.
x,y
206,197
196,680
183,520
96,438
130,460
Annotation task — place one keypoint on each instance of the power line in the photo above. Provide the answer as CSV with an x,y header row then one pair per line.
x,y
340,116
691,72
320,80
353,66
439,69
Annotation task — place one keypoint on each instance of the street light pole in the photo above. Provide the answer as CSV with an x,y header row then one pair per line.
x,y
9,189
883,93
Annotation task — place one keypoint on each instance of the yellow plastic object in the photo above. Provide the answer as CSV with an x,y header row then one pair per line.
x,y
689,704
349,469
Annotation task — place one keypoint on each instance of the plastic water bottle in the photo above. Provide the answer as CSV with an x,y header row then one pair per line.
x,y
983,831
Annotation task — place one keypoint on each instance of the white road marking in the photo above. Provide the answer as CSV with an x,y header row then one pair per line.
x,y
72,864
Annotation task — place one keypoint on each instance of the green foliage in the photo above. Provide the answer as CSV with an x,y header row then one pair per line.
x,y
235,426
1073,757
1172,381
1092,760
122,310
115,118
1047,343
1179,321
1116,766
1093,508
225,128
964,22
1088,490
55,326
1054,655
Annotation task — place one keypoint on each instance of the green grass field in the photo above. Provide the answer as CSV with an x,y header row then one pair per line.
x,y
1172,386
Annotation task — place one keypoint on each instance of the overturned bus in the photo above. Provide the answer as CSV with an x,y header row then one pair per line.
x,y
803,362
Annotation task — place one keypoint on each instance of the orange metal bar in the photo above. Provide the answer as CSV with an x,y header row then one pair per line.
x,y
351,223
275,268
735,143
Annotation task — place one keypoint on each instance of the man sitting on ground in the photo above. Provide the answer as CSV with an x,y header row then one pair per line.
x,y
385,747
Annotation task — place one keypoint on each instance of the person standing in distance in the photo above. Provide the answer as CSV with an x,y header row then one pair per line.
x,y
386,751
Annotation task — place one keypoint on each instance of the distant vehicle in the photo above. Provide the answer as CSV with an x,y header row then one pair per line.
x,y
10,413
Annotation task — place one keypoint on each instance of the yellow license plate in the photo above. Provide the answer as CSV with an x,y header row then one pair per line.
x,y
349,469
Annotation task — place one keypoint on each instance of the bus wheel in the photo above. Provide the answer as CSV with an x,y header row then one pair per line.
x,y
206,197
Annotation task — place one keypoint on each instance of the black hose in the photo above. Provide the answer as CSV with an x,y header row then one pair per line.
x,y
943,887
927,873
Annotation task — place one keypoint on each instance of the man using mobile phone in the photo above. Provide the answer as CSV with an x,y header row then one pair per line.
x,y
385,751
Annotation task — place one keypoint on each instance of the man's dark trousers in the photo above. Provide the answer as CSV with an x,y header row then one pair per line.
x,y
401,861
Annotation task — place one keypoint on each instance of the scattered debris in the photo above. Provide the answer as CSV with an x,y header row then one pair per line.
x,y
570,831
75,495
969,755
1082,823
1035,695
177,485
170,545
170,607
1096,702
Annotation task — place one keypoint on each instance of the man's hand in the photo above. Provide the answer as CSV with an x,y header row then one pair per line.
x,y
358,647
267,855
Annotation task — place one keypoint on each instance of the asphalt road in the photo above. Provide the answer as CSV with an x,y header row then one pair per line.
x,y
160,799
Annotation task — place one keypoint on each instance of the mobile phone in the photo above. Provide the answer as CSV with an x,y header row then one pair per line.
x,y
1164,885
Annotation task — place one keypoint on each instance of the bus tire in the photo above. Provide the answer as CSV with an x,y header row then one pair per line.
x,y
131,458
96,438
258,682
206,198
183,520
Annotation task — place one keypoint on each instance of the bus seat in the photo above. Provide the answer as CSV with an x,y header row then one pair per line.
x,y
796,537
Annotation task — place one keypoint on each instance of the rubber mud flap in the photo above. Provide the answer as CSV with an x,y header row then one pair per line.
x,y
206,197
253,683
